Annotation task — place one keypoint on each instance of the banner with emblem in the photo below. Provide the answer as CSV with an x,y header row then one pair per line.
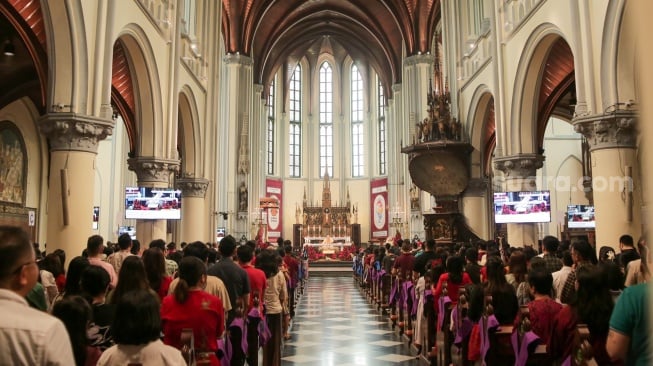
x,y
379,208
273,188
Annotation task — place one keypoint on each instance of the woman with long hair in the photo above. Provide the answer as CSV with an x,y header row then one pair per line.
x,y
517,269
504,299
137,331
191,307
50,268
75,313
132,276
72,287
276,302
455,277
638,271
155,267
591,305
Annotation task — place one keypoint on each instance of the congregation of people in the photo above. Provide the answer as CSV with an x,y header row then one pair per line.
x,y
123,304
452,302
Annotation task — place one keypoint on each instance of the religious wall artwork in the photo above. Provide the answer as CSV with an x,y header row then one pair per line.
x,y
242,197
13,164
414,197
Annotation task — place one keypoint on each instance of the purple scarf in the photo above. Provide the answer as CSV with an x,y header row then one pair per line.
x,y
491,325
225,348
264,333
443,301
394,293
463,330
529,341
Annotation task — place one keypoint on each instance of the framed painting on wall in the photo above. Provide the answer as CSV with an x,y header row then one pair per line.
x,y
13,164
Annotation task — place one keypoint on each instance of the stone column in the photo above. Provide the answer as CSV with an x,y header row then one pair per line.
x,y
73,147
520,175
154,173
193,212
476,209
616,183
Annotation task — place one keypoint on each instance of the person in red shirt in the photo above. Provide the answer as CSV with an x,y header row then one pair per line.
x,y
293,270
190,307
257,285
404,264
155,267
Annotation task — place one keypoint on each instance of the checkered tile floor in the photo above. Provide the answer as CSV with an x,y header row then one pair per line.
x,y
335,325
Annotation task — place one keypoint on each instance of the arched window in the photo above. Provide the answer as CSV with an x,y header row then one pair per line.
x,y
295,111
326,119
357,150
382,138
270,131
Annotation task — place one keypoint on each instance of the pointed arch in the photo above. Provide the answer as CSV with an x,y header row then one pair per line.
x,y
189,144
148,110
482,129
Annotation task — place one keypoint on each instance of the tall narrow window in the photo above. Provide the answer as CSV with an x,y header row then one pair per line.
x,y
295,109
357,149
188,19
270,131
326,119
382,140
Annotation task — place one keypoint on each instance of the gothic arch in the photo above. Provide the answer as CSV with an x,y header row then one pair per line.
x,y
482,128
189,144
148,110
523,125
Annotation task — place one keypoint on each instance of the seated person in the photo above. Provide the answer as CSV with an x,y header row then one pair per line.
x,y
136,331
543,309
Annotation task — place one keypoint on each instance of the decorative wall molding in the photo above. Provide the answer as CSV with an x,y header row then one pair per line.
x,y
153,170
609,131
74,132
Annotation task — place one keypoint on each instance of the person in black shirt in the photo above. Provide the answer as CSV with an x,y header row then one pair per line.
x,y
422,260
628,252
472,268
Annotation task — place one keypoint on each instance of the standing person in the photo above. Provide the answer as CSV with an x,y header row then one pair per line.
x,y
275,299
75,268
292,264
404,264
628,338
137,332
550,246
124,251
504,298
95,284
560,277
191,307
583,255
628,252
638,271
132,272
155,268
472,267
75,313
237,282
171,265
424,259
94,251
29,336
257,283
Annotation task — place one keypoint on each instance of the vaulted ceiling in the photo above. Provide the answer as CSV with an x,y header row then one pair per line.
x,y
378,32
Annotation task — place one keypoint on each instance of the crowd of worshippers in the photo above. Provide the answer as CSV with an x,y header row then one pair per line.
x,y
119,304
564,287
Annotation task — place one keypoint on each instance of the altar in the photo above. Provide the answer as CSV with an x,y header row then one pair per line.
x,y
318,243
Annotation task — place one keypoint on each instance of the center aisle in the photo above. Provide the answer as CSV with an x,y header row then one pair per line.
x,y
335,325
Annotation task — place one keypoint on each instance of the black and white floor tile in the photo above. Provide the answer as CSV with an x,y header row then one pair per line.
x,y
335,326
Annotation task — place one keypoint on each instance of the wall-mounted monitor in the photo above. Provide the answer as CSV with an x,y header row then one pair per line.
x,y
143,203
580,217
127,229
522,207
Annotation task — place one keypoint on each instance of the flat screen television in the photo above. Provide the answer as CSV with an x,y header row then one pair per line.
x,y
152,203
580,217
522,207
127,229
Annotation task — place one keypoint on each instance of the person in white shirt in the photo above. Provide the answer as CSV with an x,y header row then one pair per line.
x,y
27,336
560,277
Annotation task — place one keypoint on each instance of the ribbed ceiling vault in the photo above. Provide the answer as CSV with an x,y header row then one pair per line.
x,y
274,32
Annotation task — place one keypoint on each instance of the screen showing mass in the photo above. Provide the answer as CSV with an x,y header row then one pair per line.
x,y
522,207
580,217
152,203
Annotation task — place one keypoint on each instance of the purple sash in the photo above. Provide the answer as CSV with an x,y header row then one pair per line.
x,y
491,325
443,301
263,330
529,341
567,361
406,294
393,293
463,330
224,352
413,295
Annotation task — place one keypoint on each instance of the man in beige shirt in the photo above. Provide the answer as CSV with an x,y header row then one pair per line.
x,y
125,246
214,285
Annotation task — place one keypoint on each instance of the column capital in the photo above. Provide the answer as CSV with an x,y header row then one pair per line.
x,y
193,187
75,132
476,187
419,59
617,129
519,166
236,58
151,170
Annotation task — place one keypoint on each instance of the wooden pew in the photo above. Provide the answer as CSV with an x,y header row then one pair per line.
x,y
539,356
444,338
500,352
460,357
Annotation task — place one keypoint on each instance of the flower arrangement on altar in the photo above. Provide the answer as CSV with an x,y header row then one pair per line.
x,y
315,254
